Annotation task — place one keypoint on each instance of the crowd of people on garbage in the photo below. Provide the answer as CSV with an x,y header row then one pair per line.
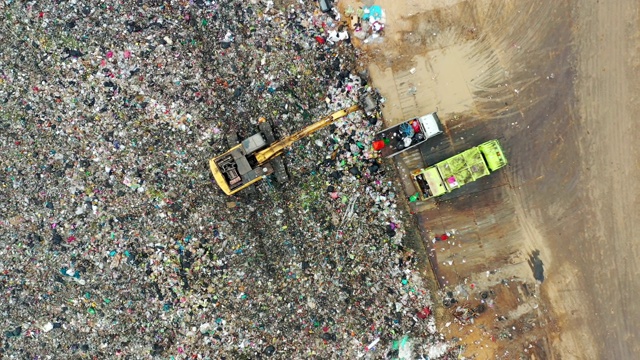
x,y
116,240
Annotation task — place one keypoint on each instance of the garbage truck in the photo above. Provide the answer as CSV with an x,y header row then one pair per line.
x,y
458,170
257,156
406,135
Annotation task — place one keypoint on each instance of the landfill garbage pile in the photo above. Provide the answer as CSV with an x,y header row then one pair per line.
x,y
117,243
368,22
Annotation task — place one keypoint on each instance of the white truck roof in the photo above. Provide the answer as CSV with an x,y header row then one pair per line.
x,y
430,124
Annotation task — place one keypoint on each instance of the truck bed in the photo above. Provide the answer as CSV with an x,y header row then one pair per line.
x,y
461,169
395,140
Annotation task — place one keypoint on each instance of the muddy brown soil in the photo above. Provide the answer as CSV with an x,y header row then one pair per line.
x,y
556,82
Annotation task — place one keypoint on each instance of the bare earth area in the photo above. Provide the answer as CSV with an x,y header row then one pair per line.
x,y
551,238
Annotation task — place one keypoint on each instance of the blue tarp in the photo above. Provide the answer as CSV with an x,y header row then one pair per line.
x,y
373,12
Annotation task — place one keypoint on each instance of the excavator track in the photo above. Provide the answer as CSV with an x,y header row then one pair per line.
x,y
278,164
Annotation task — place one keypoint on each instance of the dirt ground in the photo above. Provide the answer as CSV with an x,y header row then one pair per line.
x,y
556,82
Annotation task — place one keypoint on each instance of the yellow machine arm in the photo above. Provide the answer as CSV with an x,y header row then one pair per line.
x,y
279,146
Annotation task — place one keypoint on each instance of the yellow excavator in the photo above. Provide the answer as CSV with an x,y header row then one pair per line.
x,y
256,157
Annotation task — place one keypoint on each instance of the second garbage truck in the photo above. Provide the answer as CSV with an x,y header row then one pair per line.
x,y
459,170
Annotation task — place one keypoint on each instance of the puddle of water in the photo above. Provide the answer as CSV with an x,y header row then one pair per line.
x,y
444,79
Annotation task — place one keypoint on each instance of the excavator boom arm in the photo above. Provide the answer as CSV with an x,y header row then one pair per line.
x,y
279,146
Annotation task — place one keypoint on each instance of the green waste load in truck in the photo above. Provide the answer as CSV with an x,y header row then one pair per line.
x,y
459,170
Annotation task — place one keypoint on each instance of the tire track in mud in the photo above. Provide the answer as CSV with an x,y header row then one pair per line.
x,y
606,45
